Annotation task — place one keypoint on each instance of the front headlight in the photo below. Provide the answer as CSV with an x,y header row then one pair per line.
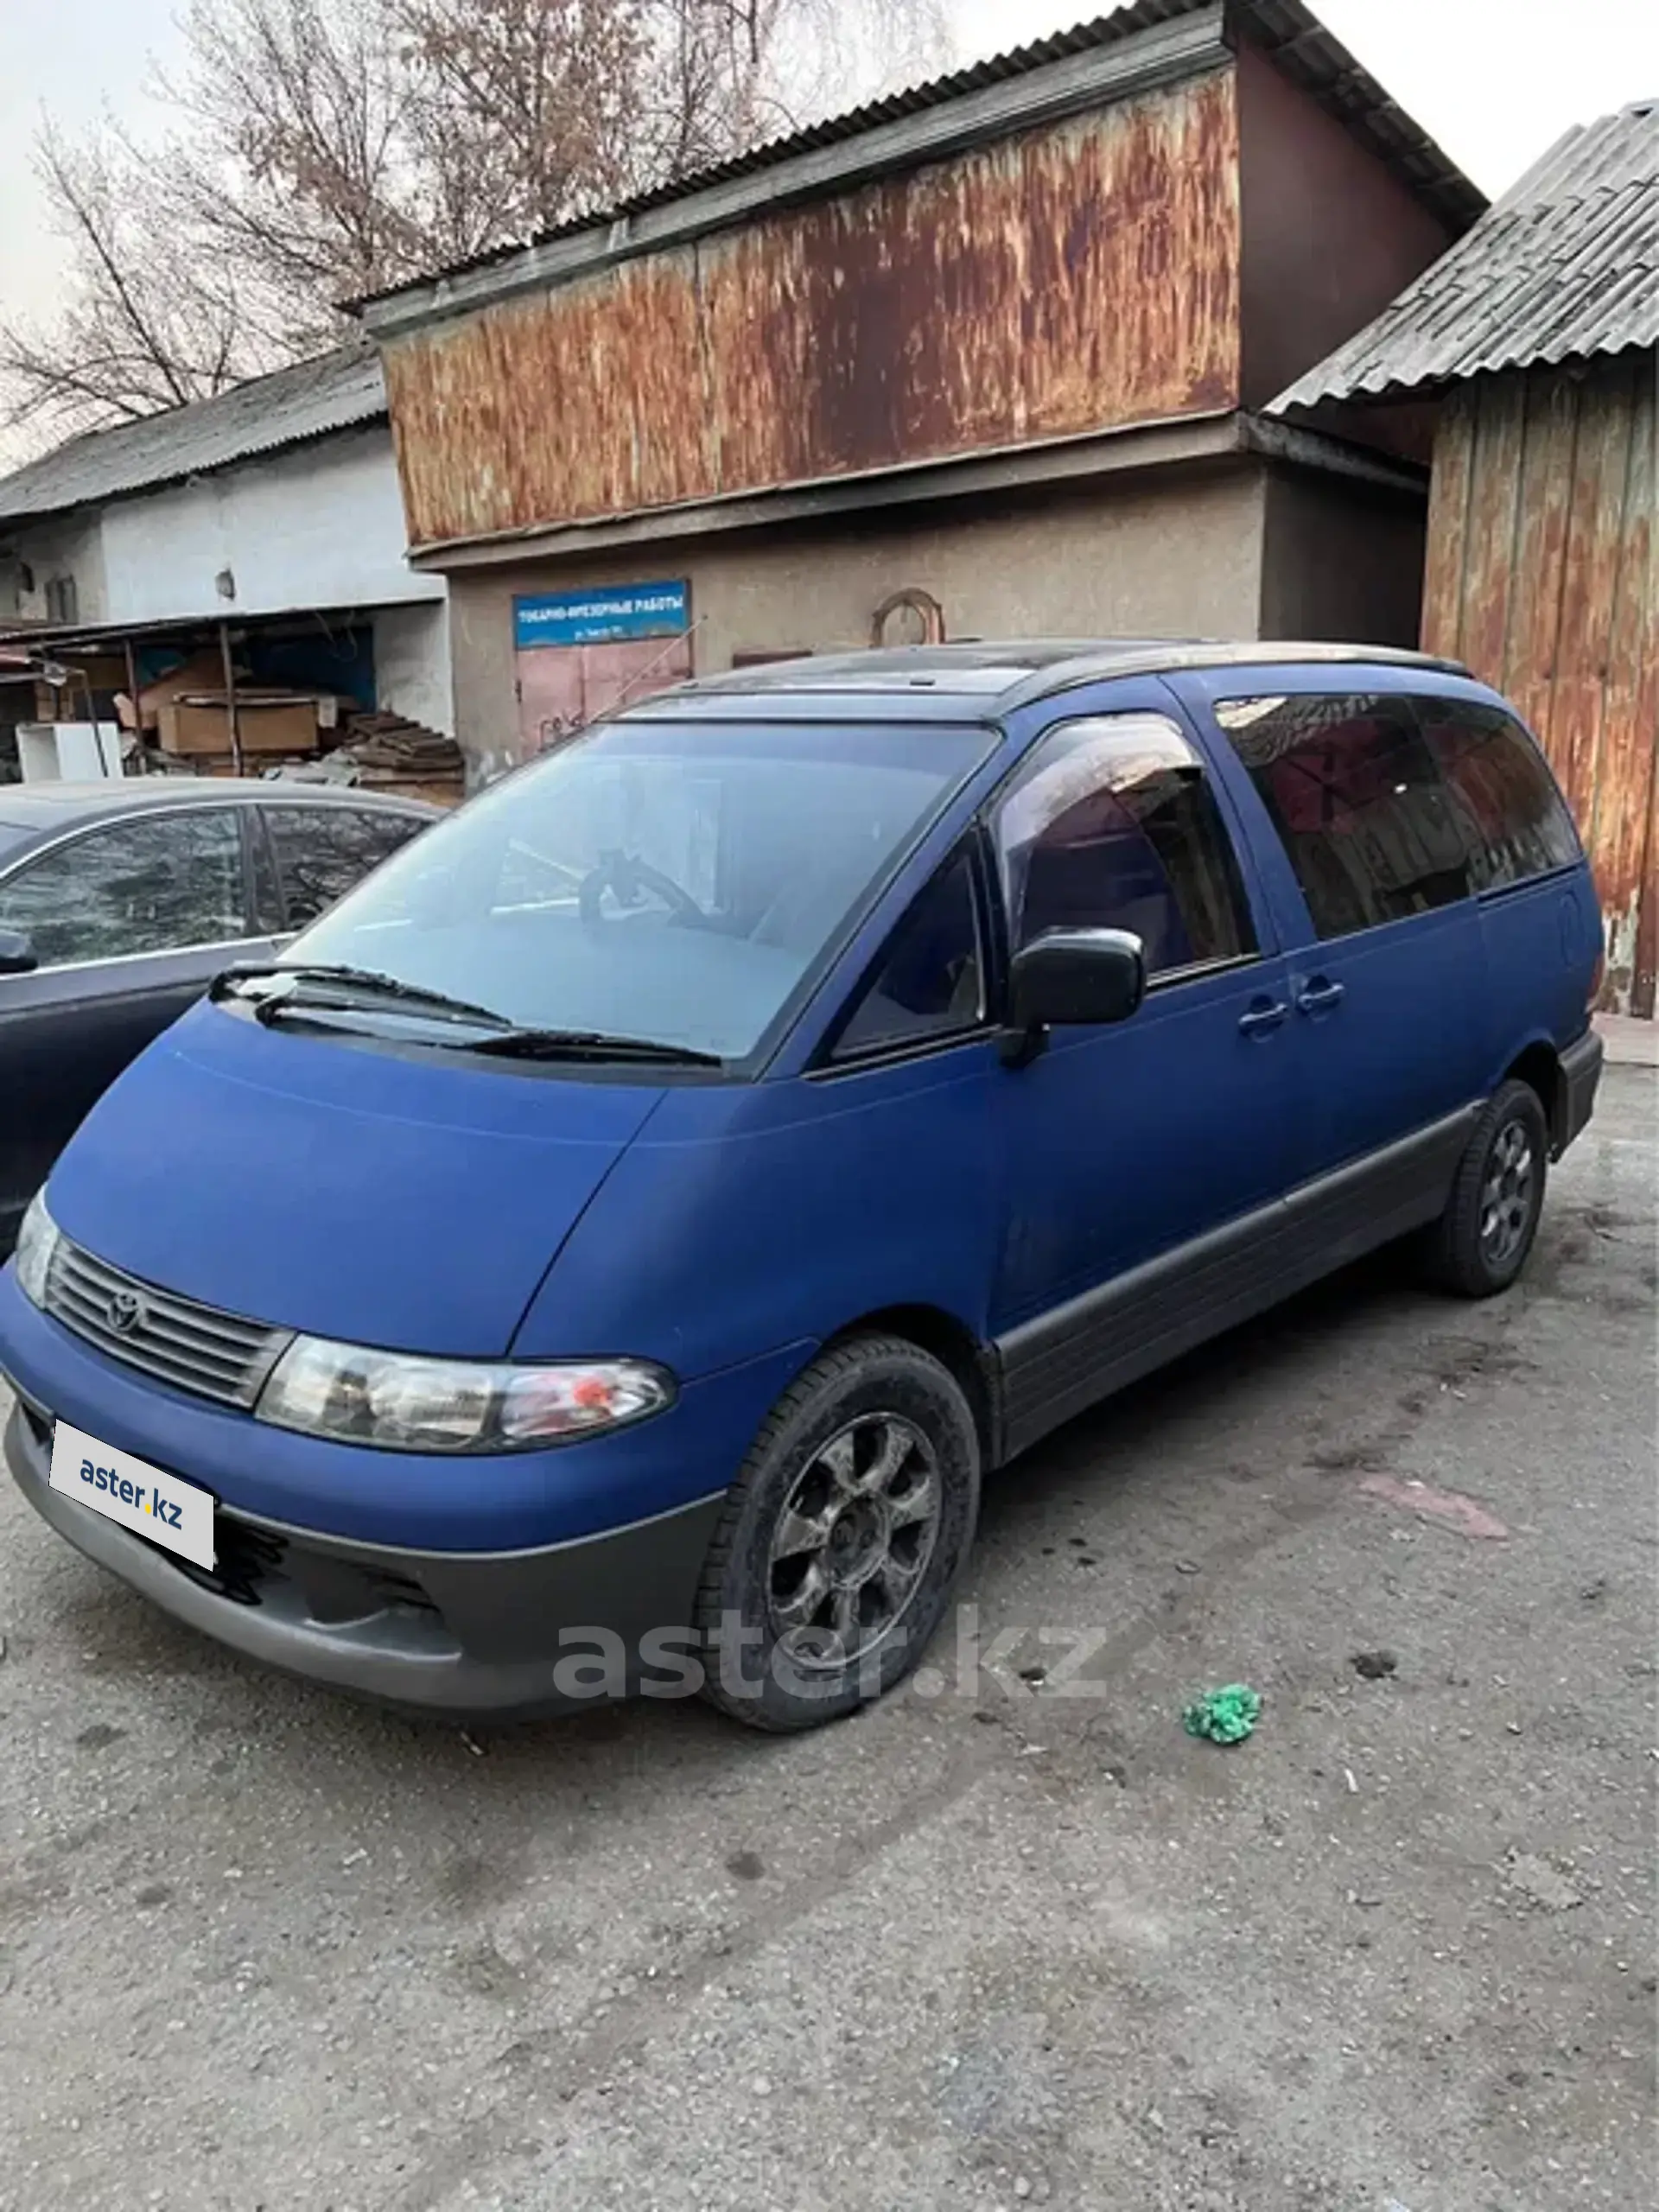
x,y
404,1402
37,1240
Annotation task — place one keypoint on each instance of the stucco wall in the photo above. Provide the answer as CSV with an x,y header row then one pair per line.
x,y
1169,559
1341,560
319,527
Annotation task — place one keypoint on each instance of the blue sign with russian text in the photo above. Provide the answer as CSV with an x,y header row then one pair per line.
x,y
599,616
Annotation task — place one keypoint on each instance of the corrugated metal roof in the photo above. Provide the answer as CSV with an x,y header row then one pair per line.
x,y
1565,266
290,406
1286,30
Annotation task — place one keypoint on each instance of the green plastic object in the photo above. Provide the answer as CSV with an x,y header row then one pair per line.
x,y
1225,1716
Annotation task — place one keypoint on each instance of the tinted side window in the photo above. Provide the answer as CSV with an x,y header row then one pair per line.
x,y
1515,820
1369,825
321,851
131,887
1110,824
930,981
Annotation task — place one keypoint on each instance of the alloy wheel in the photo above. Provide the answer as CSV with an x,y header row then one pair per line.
x,y
854,1540
1506,1194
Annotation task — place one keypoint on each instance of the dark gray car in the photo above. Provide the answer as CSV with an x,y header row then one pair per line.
x,y
120,901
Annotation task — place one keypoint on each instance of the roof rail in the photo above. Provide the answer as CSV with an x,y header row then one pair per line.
x,y
1172,659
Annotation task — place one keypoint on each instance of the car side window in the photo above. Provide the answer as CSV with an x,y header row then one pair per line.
x,y
322,851
930,981
1110,824
163,882
1515,820
1369,825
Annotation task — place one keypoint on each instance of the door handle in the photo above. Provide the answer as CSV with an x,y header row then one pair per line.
x,y
1320,996
1262,1015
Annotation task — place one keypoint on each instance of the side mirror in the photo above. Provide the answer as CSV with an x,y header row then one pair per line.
x,y
17,953
1070,977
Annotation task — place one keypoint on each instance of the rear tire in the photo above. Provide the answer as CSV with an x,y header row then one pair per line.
x,y
1481,1241
841,1538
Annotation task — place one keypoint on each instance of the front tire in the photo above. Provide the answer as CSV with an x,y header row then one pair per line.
x,y
1483,1238
841,1538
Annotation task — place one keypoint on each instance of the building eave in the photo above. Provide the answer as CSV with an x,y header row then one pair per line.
x,y
1137,449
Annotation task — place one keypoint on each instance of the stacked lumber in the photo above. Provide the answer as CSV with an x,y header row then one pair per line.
x,y
391,752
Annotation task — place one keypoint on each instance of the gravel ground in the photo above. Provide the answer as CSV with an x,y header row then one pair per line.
x,y
1001,1939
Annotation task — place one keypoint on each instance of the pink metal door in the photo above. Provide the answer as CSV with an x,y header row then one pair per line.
x,y
562,688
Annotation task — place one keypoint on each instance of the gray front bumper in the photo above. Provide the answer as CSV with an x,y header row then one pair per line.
x,y
479,1634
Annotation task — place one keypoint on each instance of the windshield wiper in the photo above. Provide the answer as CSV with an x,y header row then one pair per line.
x,y
591,1044
502,1037
353,981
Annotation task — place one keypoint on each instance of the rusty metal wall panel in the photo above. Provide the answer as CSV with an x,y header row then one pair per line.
x,y
1075,279
1448,514
1630,730
599,391
1489,547
1543,575
1543,502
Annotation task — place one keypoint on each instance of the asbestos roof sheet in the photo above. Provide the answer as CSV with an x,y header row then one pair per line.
x,y
1286,30
287,408
1565,266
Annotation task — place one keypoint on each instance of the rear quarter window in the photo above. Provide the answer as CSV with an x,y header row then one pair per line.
x,y
1515,821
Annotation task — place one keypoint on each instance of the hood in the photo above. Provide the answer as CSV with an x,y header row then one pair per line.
x,y
391,1199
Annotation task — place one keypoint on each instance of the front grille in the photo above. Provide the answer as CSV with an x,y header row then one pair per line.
x,y
191,1346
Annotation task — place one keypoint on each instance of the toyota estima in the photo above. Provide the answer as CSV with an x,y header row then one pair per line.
x,y
603,1252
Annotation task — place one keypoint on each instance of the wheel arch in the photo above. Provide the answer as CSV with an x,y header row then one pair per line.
x,y
1539,1066
948,1339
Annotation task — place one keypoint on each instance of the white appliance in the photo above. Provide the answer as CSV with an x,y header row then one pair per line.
x,y
68,753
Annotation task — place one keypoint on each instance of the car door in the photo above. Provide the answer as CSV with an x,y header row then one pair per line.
x,y
1365,856
1125,1146
128,921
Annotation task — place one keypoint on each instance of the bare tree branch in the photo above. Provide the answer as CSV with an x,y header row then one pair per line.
x,y
320,149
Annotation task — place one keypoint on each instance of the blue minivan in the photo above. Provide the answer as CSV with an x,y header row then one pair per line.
x,y
603,1253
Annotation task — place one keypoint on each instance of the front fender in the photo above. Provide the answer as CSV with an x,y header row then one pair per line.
x,y
740,1220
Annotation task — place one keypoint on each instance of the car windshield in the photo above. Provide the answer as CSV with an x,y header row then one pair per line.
x,y
669,882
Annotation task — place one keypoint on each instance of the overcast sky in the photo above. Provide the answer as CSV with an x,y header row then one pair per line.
x,y
1494,81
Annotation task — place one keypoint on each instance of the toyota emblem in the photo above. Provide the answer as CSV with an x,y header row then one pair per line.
x,y
126,1311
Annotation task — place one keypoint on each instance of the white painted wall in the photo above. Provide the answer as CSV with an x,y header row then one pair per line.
x,y
321,525
412,665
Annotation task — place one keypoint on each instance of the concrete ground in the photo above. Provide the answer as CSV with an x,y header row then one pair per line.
x,y
1630,1042
1002,1940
